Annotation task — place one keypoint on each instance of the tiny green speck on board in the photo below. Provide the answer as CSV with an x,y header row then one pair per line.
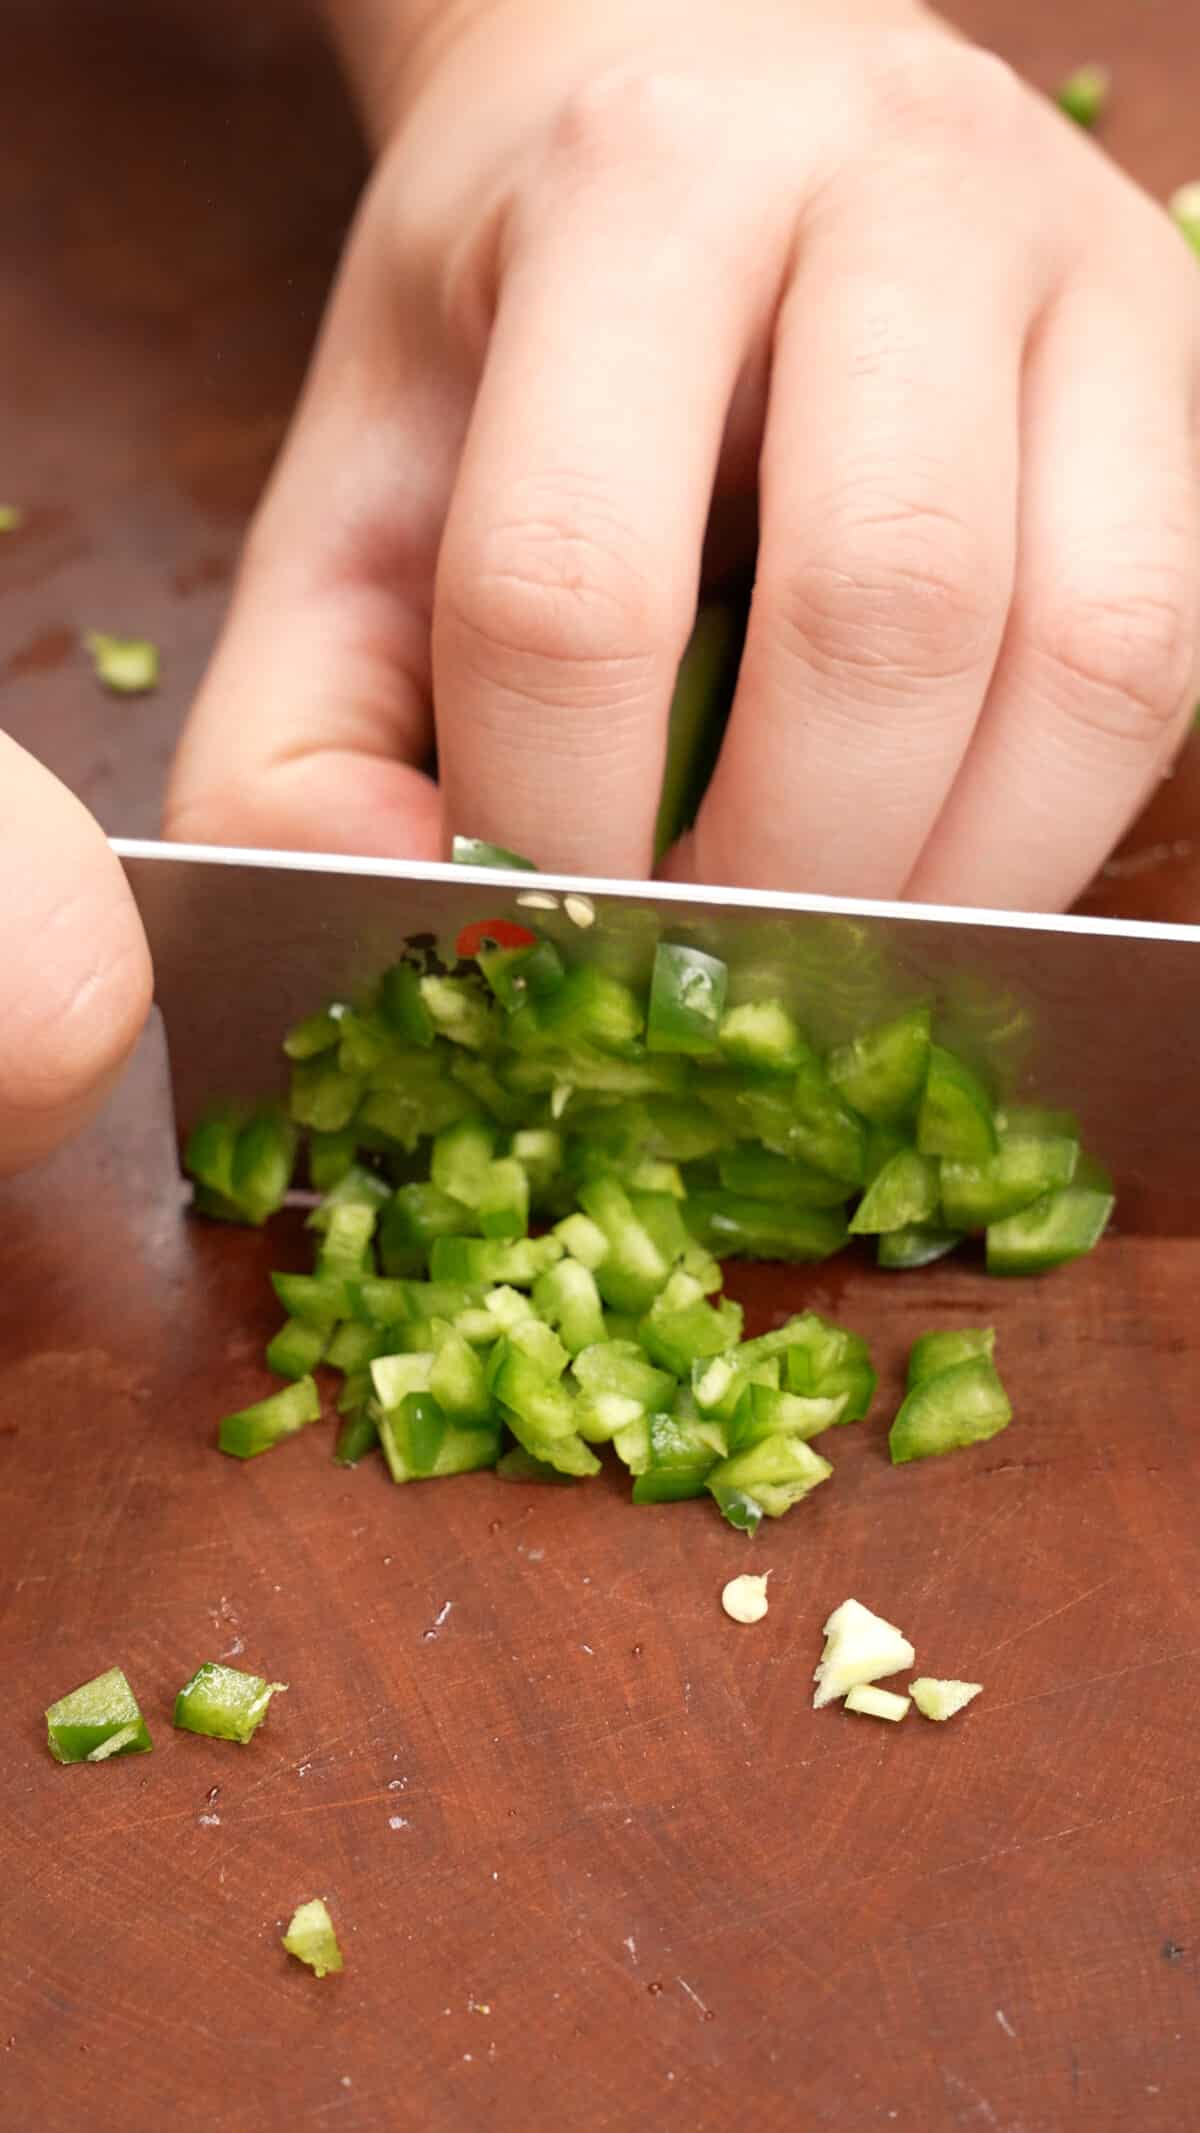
x,y
311,1938
1084,95
11,517
126,665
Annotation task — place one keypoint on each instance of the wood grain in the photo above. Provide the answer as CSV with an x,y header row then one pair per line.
x,y
595,1861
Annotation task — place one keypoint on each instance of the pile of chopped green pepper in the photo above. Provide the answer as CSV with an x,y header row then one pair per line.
x,y
529,1173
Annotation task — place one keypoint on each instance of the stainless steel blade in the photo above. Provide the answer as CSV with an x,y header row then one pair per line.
x,y
1099,1016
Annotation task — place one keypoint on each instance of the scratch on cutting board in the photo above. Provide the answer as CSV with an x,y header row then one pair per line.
x,y
631,1944
1005,2024
692,1994
975,2105
1053,1616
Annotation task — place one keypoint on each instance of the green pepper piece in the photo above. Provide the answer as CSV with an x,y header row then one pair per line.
x,y
1023,1170
223,1702
297,1348
402,1007
823,1361
312,1940
358,1435
489,1260
127,665
519,975
315,1299
935,1352
353,1346
963,1405
566,1298
824,1133
477,852
97,1722
345,1250
757,1174
681,1452
354,1186
592,1008
461,1160
762,1035
882,1073
517,1464
738,1228
414,1217
420,1444
12,518
460,1011
618,1386
918,1245
955,1115
903,1192
766,1480
321,1096
503,1209
675,1338
457,1381
257,1429
1061,1227
1084,95
316,1034
681,1130
765,1411
687,1000
634,1268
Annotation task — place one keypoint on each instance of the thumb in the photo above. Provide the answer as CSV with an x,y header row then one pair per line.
x,y
76,979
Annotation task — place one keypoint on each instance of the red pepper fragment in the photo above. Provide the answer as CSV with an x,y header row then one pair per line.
x,y
496,932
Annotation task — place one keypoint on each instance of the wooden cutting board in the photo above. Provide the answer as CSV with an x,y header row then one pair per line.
x,y
595,1861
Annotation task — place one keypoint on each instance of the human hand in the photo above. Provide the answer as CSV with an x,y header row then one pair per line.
x,y
75,962
623,269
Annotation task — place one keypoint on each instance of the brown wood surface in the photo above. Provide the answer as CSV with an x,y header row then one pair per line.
x,y
595,1861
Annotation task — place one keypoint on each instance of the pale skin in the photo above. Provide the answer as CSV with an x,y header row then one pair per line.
x,y
624,279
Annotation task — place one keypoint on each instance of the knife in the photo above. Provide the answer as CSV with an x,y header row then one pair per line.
x,y
1098,1016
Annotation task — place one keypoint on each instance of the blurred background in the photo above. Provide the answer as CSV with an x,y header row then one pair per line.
x,y
176,180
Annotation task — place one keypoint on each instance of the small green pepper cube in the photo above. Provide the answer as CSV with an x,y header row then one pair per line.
x,y
955,1117
256,1429
126,665
312,1940
1084,95
1060,1227
882,1073
960,1406
903,1192
687,1000
935,1352
920,1244
223,1702
99,1721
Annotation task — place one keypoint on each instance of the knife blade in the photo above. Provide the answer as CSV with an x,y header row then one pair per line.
x,y
1098,1016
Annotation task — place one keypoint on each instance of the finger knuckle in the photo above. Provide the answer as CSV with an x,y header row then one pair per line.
x,y
936,89
1123,654
892,598
624,115
559,591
